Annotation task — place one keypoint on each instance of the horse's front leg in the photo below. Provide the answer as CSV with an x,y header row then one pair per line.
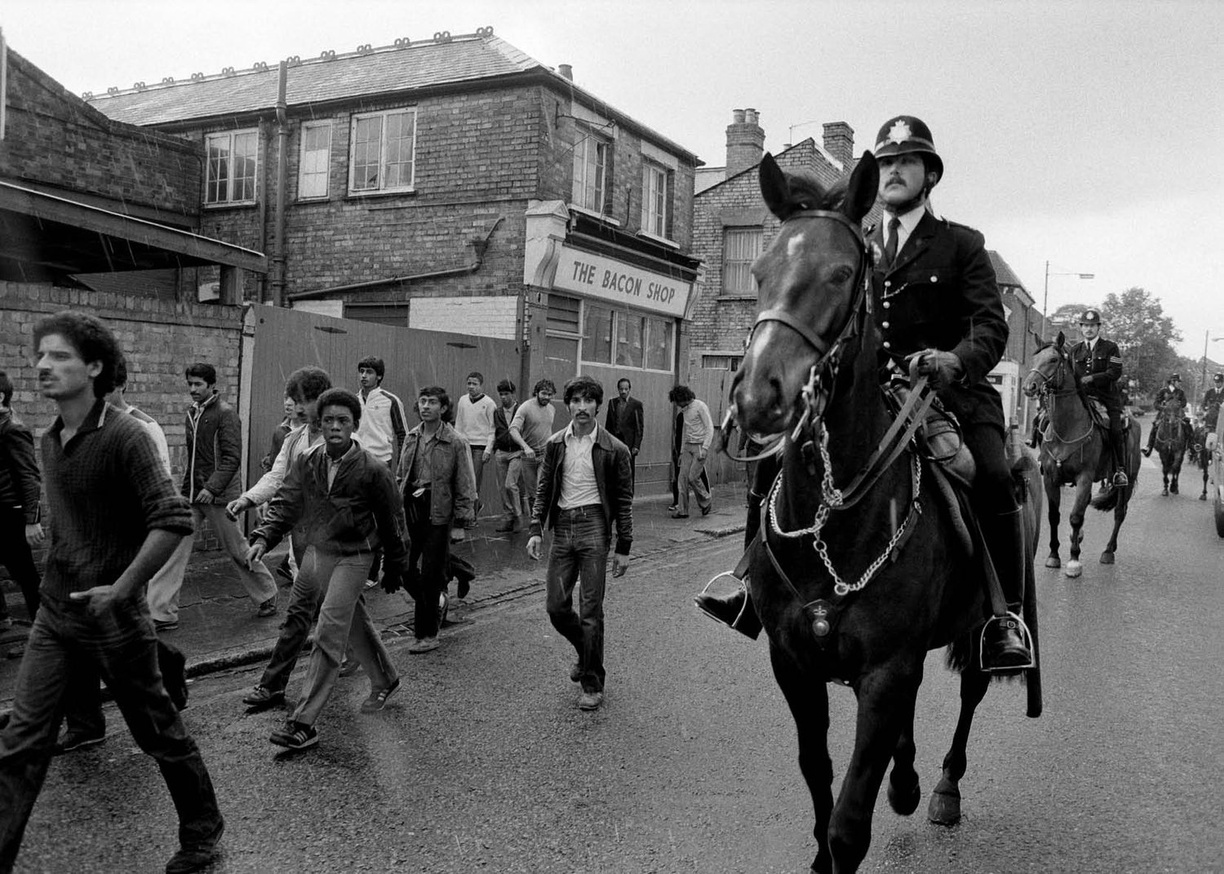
x,y
885,702
1083,492
808,699
1203,496
1053,495
945,808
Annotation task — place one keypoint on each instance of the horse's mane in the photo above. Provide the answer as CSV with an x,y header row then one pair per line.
x,y
807,192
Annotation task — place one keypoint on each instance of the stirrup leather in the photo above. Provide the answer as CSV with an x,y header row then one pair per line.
x,y
1025,636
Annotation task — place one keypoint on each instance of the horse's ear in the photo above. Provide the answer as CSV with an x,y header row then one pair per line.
x,y
774,187
1062,338
1037,338
863,188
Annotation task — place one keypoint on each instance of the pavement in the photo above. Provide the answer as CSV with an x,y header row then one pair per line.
x,y
218,629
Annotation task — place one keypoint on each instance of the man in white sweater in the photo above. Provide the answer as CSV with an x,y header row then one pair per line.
x,y
474,422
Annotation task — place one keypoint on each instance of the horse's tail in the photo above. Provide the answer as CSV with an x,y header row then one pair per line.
x,y
1107,500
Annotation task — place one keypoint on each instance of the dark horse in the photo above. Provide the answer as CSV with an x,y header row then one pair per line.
x,y
1171,443
860,571
1201,454
1071,452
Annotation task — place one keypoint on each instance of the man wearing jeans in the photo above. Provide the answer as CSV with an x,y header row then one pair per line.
x,y
345,501
698,432
116,519
585,492
20,502
214,456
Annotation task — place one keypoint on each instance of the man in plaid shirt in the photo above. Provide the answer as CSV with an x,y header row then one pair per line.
x,y
115,519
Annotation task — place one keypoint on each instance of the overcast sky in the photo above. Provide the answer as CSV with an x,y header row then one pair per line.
x,y
1086,134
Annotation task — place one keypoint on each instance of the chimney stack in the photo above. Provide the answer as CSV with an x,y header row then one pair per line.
x,y
745,141
566,71
839,142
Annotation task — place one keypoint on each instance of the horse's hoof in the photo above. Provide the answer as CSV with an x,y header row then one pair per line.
x,y
902,802
1053,561
1165,493
944,808
1203,496
1074,569
1107,558
1173,488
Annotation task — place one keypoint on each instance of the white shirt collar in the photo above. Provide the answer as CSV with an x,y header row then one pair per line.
x,y
909,221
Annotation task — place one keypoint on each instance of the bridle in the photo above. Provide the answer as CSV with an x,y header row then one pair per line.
x,y
1053,387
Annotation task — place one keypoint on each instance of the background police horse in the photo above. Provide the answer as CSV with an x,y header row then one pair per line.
x,y
860,569
1073,451
1171,443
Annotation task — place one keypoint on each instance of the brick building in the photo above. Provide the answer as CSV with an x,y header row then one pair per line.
x,y
450,184
104,217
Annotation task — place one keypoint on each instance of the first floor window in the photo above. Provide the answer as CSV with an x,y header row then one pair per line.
x,y
383,154
232,160
590,171
741,247
316,159
654,200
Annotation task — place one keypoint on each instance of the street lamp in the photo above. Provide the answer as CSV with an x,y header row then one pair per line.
x,y
1045,298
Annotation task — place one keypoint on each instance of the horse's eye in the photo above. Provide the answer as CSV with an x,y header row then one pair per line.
x,y
842,274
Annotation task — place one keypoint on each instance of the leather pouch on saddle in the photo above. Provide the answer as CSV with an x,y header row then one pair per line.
x,y
939,437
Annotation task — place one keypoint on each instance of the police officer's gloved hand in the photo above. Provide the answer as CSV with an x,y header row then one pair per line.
x,y
393,580
940,368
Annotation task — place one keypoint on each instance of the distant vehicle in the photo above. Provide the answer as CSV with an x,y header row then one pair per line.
x,y
1217,478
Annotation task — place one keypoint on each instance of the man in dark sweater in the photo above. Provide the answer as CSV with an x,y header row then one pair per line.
x,y
116,519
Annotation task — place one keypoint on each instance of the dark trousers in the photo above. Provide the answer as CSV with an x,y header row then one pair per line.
x,y
428,563
83,709
580,549
304,600
121,646
15,555
996,508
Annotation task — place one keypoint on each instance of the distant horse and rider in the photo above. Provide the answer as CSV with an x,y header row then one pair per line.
x,y
867,552
1171,432
1073,452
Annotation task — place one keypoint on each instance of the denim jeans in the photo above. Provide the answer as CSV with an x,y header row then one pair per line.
x,y
580,549
342,619
515,500
166,584
691,470
121,646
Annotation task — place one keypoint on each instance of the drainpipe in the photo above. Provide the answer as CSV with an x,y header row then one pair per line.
x,y
278,239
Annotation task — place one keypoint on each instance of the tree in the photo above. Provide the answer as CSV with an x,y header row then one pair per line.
x,y
1145,335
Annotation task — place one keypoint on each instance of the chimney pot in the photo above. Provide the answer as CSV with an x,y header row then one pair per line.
x,y
566,71
750,116
737,116
745,141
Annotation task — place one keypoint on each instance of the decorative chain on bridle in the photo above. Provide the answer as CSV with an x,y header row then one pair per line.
x,y
1051,389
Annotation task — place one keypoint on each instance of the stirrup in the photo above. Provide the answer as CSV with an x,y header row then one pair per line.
x,y
1120,479
1012,620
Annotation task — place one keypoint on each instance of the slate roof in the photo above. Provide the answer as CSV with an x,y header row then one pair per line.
x,y
1003,271
363,73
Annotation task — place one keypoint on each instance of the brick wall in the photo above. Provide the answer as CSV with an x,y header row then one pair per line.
x,y
159,338
56,140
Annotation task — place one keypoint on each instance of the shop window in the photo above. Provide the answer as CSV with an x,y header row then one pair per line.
x,y
654,200
630,334
232,165
316,159
591,171
741,247
659,336
383,152
597,334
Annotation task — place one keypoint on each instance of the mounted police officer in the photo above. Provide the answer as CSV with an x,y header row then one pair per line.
x,y
1212,398
1099,366
1167,400
937,303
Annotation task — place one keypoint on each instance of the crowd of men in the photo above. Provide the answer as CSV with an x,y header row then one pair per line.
x,y
362,499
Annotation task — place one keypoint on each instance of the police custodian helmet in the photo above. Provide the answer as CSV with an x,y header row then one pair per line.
x,y
903,135
1090,317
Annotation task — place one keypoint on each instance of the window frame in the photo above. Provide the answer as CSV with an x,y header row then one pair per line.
x,y
210,178
307,127
587,140
381,187
725,292
650,322
656,214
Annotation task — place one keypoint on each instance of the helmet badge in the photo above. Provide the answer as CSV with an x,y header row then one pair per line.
x,y
900,131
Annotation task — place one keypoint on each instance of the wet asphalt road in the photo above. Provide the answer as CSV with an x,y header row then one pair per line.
x,y
483,763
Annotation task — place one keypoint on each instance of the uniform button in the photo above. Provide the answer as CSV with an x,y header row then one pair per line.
x,y
934,279
887,304
888,283
887,345
884,325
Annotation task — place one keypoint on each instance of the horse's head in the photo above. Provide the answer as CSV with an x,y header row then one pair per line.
x,y
1052,369
812,283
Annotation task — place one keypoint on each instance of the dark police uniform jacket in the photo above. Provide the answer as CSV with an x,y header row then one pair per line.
x,y
1105,359
941,293
1212,399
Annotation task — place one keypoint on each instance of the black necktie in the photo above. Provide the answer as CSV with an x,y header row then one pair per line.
x,y
890,247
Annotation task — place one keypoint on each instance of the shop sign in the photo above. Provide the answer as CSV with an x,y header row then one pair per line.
x,y
625,284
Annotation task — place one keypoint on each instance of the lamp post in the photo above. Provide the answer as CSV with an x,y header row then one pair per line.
x,y
1045,298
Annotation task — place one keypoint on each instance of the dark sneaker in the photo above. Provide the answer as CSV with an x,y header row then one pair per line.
x,y
295,736
197,856
267,608
590,700
165,624
378,699
348,667
261,697
705,511
76,740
